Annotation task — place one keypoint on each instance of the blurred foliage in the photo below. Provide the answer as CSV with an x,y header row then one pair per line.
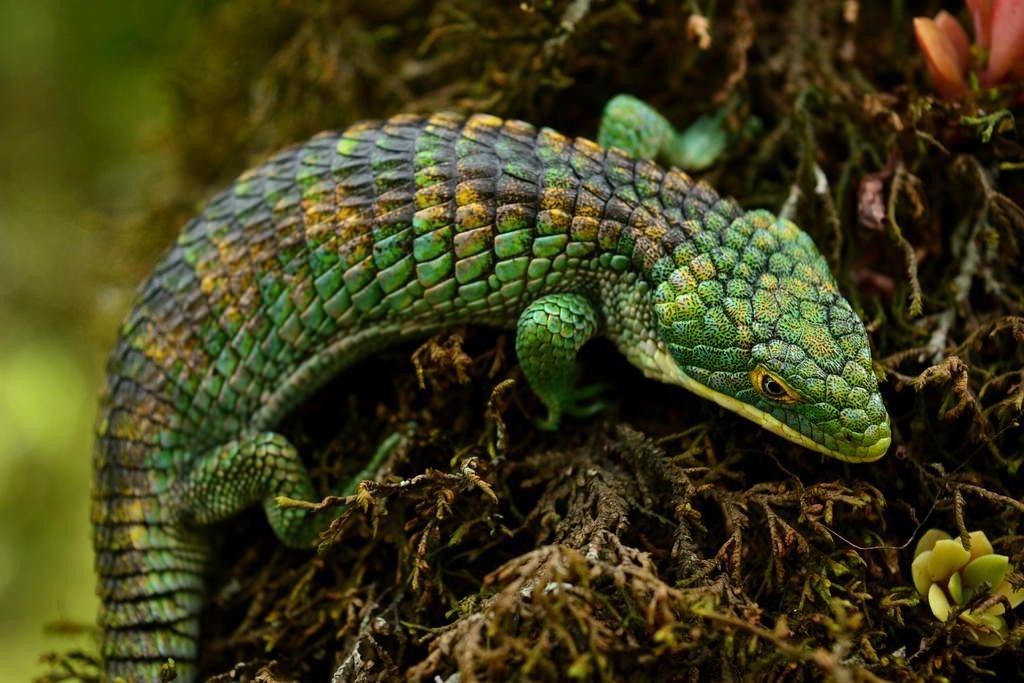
x,y
83,106
665,537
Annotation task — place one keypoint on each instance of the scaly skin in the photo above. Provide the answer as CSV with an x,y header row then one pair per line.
x,y
393,230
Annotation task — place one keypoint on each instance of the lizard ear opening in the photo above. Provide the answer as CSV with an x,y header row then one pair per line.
x,y
773,387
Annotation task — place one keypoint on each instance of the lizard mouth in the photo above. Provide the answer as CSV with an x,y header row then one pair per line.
x,y
855,453
858,453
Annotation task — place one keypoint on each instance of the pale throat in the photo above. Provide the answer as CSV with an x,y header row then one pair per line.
x,y
654,359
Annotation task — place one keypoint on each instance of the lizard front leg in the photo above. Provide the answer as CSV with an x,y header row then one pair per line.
x,y
550,332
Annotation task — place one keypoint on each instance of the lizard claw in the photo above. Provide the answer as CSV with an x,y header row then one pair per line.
x,y
581,403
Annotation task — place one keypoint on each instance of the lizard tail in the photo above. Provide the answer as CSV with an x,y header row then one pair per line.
x,y
150,575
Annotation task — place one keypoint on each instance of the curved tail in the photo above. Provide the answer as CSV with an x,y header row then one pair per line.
x,y
150,570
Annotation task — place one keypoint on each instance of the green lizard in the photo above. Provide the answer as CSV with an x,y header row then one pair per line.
x,y
391,230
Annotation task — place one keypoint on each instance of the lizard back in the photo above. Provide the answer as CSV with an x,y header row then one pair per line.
x,y
327,252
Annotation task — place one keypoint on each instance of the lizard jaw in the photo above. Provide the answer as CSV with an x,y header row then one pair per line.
x,y
665,369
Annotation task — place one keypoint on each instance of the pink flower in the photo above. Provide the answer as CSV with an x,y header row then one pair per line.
x,y
1006,55
998,31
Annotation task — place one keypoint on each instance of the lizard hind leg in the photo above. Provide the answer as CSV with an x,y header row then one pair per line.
x,y
252,469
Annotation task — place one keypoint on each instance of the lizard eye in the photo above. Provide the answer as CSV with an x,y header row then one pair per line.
x,y
771,387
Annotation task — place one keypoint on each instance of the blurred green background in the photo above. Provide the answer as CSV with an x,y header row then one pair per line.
x,y
84,108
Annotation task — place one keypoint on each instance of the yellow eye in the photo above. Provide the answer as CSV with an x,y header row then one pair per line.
x,y
772,387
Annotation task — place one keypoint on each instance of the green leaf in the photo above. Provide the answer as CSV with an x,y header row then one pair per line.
x,y
919,571
927,541
1015,597
980,544
956,588
987,569
948,556
939,603
985,629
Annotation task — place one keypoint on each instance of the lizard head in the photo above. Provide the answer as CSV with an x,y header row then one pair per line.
x,y
750,317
